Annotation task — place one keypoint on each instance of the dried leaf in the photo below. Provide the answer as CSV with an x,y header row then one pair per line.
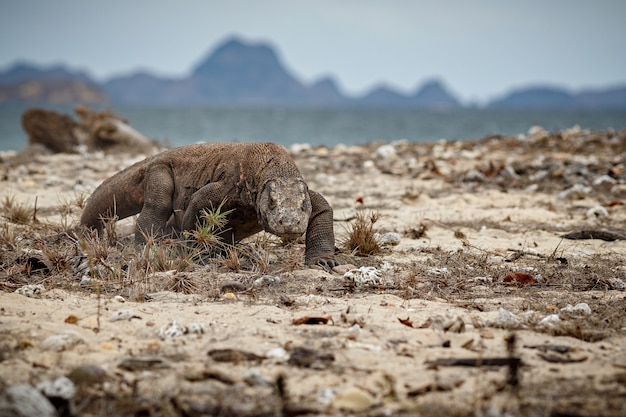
x,y
71,319
407,322
520,278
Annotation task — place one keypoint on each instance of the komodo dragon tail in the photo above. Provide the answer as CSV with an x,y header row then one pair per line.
x,y
121,195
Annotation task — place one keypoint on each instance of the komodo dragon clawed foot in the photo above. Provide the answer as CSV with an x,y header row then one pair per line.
x,y
259,182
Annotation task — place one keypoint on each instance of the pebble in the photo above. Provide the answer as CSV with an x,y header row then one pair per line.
x,y
385,151
597,212
387,239
575,192
353,332
364,276
62,387
617,284
550,320
127,315
255,378
172,329
31,290
353,399
266,281
505,320
278,354
580,308
62,341
22,400
604,180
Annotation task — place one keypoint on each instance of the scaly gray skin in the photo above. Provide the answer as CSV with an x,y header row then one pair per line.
x,y
259,181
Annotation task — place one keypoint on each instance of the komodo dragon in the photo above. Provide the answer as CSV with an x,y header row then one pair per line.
x,y
259,181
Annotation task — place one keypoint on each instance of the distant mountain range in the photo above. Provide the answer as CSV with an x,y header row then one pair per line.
x,y
237,73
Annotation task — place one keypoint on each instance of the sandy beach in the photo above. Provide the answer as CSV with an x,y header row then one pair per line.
x,y
476,304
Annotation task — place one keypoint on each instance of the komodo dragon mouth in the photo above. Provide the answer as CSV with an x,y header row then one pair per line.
x,y
284,207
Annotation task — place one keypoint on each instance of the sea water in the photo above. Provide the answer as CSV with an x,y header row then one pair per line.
x,y
326,126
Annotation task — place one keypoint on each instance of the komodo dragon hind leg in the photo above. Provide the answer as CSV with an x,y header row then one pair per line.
x,y
320,236
157,206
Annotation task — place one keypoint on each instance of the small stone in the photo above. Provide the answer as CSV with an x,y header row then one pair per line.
x,y
550,320
579,309
354,332
255,378
385,151
31,290
121,315
62,387
354,400
266,281
172,329
62,341
364,276
505,320
388,239
597,212
196,328
616,284
575,192
278,354
22,400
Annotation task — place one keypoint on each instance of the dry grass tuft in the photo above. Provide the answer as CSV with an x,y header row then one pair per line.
x,y
16,212
361,239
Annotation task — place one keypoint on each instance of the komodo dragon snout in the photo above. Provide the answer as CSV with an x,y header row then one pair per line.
x,y
284,207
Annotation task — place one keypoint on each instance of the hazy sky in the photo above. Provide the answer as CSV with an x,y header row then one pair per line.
x,y
480,48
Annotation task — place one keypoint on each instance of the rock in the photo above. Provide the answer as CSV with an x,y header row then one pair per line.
x,y
575,192
62,387
582,309
62,341
604,180
616,284
266,281
505,320
387,239
254,378
550,320
31,290
172,329
473,175
196,328
597,212
127,315
385,151
86,375
364,276
354,400
22,400
279,354
56,132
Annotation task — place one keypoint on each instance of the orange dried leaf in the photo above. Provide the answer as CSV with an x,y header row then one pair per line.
x,y
520,278
407,322
71,319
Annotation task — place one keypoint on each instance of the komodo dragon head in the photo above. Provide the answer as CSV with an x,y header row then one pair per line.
x,y
284,207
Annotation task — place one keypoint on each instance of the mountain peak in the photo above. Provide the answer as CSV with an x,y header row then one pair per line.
x,y
239,56
433,93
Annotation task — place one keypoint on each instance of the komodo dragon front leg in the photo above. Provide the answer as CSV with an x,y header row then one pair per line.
x,y
320,237
157,205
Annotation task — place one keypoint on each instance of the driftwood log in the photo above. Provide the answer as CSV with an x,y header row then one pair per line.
x,y
96,130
